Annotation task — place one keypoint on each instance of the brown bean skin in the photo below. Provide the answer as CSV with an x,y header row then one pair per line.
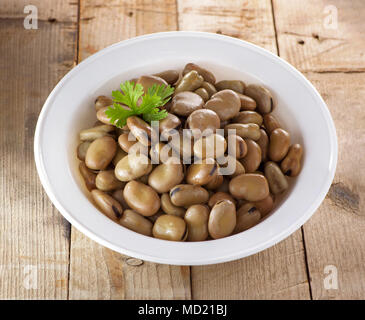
x,y
94,133
235,85
245,117
132,166
168,227
263,142
265,206
126,141
170,76
247,103
250,187
277,181
106,181
291,164
237,147
107,204
88,175
215,183
203,119
202,93
102,101
171,122
222,219
141,198
169,208
262,96
247,217
82,149
210,88
189,82
135,222
206,74
141,130
148,81
279,144
218,196
118,195
202,173
187,195
226,104
184,103
245,131
119,155
196,218
270,123
252,159
100,153
211,146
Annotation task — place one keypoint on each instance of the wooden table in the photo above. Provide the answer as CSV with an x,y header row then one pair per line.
x,y
36,241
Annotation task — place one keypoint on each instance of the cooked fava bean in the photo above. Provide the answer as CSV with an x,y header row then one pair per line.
x,y
189,82
253,157
166,175
248,130
222,219
168,227
102,117
120,154
101,102
226,104
247,217
107,204
236,146
82,149
141,198
88,175
170,76
210,88
96,132
207,75
215,183
279,144
236,169
212,146
161,152
169,208
118,195
245,117
265,206
141,130
262,96
148,81
263,142
184,195
202,93
196,218
202,172
235,85
184,103
249,186
171,122
132,166
134,221
270,123
100,153
291,164
247,103
182,143
203,120
126,141
218,196
143,179
275,177
224,186
106,181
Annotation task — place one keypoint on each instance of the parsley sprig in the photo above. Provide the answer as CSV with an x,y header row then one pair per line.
x,y
130,95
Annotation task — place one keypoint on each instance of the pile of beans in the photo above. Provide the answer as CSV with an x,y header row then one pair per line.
x,y
173,200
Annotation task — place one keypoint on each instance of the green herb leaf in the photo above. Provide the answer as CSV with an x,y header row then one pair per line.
x,y
130,95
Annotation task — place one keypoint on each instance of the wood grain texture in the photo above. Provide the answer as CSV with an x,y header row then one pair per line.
x,y
336,233
34,238
97,272
309,38
248,20
279,272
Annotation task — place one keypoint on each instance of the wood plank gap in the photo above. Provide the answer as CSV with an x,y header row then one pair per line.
x,y
306,264
275,30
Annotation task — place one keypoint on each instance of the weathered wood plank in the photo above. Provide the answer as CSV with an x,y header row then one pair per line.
x,y
97,272
324,35
34,237
279,272
336,233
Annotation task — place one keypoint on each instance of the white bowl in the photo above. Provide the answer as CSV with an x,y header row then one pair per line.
x,y
69,108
